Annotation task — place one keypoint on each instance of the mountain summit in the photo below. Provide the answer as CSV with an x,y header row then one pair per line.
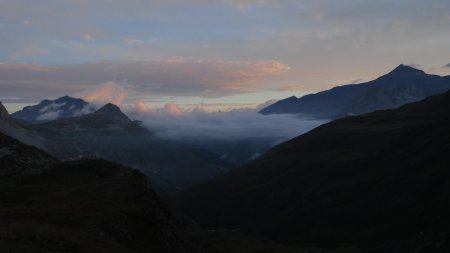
x,y
403,71
109,109
402,85
107,118
112,112
46,110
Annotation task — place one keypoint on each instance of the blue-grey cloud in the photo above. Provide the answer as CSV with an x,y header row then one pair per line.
x,y
238,124
222,132
210,28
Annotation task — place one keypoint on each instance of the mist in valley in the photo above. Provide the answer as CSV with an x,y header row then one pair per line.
x,y
236,136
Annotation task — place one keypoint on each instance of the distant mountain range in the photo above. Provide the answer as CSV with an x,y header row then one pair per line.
x,y
401,86
48,110
378,182
109,134
68,107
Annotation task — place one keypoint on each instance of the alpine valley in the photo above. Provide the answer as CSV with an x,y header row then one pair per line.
x,y
76,178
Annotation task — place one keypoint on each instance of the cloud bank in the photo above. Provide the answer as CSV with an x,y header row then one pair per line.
x,y
236,136
177,78
50,112
194,124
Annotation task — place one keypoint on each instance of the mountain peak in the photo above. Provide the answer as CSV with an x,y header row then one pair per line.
x,y
65,98
405,71
291,98
47,110
111,110
109,107
404,84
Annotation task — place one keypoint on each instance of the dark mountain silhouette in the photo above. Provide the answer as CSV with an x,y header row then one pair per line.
x,y
107,118
110,134
47,110
378,181
80,206
401,86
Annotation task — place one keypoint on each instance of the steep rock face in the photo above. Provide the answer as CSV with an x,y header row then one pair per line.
x,y
377,181
9,127
4,115
401,86
46,110
80,206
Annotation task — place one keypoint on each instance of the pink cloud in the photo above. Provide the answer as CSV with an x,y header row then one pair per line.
x,y
172,109
173,77
109,92
140,106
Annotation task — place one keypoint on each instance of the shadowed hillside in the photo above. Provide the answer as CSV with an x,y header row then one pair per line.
x,y
98,206
80,206
378,181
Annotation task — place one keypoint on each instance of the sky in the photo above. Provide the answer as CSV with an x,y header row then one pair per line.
x,y
220,53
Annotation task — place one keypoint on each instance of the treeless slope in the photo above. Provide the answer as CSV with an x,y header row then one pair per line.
x,y
80,206
379,180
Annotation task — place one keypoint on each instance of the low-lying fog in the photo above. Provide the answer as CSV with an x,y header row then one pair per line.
x,y
237,136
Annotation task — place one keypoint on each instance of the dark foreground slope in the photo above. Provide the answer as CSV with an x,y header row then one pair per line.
x,y
98,206
80,206
378,181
